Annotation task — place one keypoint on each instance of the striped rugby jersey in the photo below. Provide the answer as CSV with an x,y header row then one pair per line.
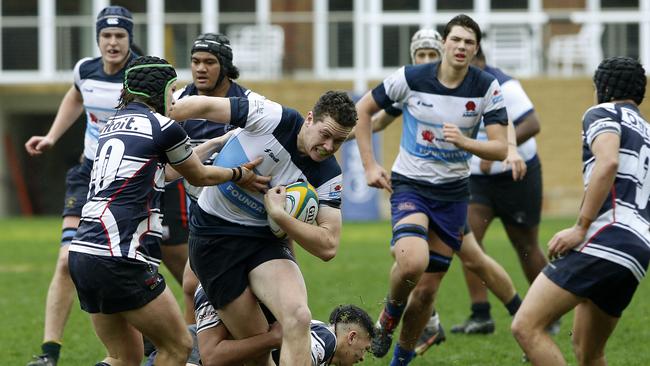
x,y
519,107
424,155
101,95
269,130
122,215
201,130
323,339
621,232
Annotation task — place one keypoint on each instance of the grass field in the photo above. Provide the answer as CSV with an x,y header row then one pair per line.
x,y
357,275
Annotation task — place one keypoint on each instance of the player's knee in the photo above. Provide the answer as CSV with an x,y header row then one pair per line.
x,y
411,269
519,329
298,319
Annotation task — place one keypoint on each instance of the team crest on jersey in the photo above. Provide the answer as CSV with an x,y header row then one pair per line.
x,y
470,109
335,190
427,135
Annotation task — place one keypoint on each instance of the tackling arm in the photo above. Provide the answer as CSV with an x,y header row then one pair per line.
x,y
201,106
218,349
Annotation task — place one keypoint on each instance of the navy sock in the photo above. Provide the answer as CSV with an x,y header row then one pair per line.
x,y
513,305
481,310
394,310
102,364
401,357
52,349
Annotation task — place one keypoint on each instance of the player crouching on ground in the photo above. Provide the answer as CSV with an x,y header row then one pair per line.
x,y
115,254
342,342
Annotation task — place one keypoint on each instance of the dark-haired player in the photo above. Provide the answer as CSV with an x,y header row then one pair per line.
x,y
232,250
213,75
96,89
599,262
342,342
443,104
114,256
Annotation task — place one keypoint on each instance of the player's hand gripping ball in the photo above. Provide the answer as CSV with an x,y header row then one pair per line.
x,y
301,203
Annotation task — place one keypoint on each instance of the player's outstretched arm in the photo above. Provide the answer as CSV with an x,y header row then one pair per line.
x,y
201,175
321,240
203,151
513,159
70,109
201,106
218,349
527,128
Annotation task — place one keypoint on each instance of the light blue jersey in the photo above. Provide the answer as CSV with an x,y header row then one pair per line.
x,y
424,154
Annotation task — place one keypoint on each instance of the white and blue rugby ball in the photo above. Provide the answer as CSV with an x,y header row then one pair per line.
x,y
301,203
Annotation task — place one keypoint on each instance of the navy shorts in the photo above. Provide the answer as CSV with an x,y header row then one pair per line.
x,y
222,263
110,285
446,218
77,180
608,285
174,205
515,202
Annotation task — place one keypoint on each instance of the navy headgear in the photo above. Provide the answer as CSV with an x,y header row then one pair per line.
x,y
219,46
619,78
115,16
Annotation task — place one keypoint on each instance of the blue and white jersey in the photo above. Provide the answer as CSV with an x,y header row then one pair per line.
x,y
519,107
122,215
623,222
101,95
424,154
269,130
201,130
323,339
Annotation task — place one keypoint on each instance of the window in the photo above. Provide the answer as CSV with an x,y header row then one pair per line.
x,y
19,8
509,4
621,40
341,41
455,4
185,6
229,6
619,4
19,49
400,5
397,43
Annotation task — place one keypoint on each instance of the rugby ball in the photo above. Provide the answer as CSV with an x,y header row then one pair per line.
x,y
301,203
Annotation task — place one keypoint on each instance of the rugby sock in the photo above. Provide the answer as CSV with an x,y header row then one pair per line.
x,y
395,310
401,356
52,349
67,234
102,364
513,305
481,310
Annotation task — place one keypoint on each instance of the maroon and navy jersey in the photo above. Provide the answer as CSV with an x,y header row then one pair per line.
x,y
122,216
